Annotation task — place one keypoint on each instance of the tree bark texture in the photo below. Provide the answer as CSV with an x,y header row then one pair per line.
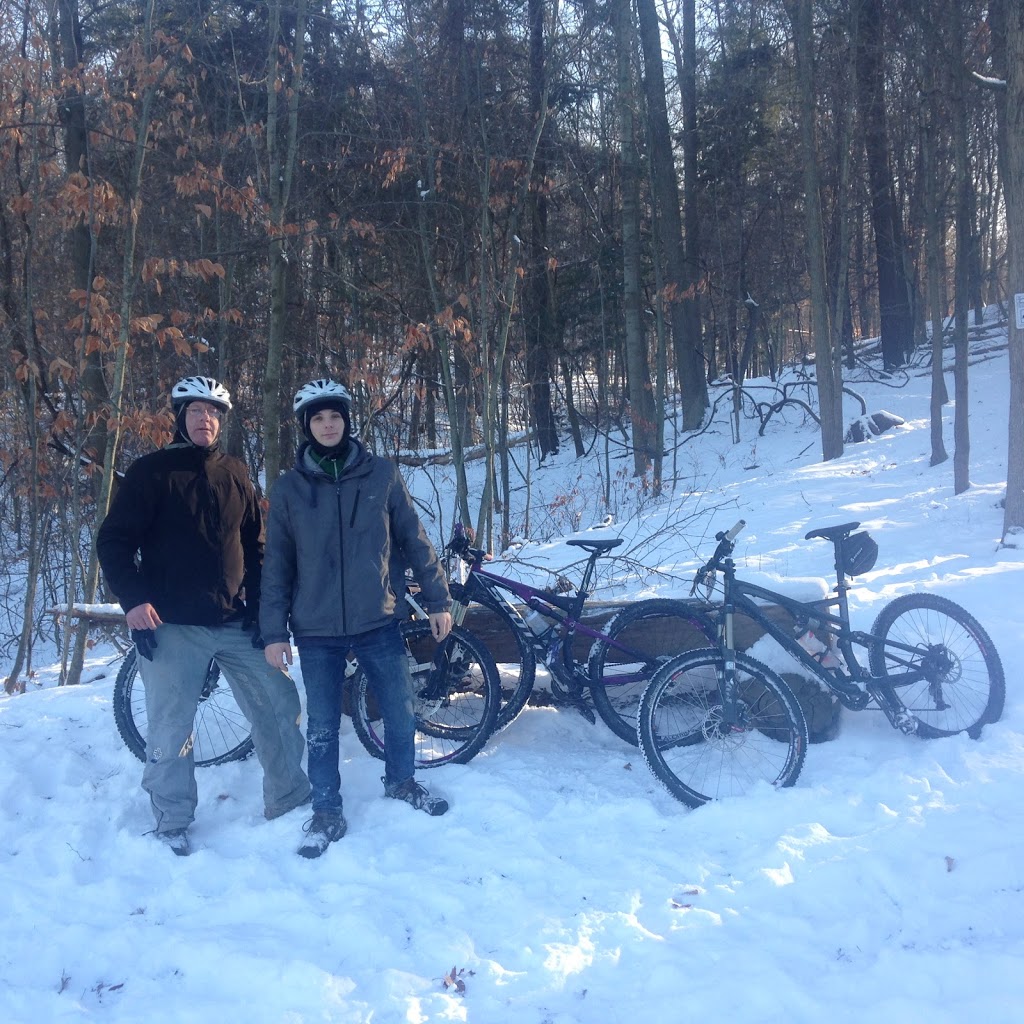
x,y
1010,26
826,365
641,398
897,323
680,288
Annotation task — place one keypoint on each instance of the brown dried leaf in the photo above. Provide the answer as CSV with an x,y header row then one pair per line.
x,y
453,979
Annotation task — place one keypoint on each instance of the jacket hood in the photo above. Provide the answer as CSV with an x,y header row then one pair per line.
x,y
201,454
357,460
358,464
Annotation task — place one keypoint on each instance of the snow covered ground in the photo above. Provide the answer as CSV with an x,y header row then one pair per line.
x,y
566,885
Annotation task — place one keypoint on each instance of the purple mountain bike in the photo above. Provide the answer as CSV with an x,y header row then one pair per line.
x,y
547,627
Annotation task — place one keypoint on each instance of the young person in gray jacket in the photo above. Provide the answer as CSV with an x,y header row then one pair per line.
x,y
337,521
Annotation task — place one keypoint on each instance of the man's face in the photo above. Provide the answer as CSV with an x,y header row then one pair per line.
x,y
202,423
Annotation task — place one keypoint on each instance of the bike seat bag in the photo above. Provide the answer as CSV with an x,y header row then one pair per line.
x,y
860,552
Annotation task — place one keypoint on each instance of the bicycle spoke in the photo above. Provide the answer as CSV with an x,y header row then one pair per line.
x,y
455,710
959,684
694,749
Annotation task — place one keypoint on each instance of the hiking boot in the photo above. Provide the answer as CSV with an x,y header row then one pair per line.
x,y
413,793
177,839
322,830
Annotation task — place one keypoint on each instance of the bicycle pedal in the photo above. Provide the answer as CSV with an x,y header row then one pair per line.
x,y
587,713
906,723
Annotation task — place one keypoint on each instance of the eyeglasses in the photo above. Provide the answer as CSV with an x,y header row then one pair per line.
x,y
197,409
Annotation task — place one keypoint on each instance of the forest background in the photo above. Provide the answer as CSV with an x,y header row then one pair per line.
x,y
497,222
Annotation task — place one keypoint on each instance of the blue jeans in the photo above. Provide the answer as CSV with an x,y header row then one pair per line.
x,y
382,657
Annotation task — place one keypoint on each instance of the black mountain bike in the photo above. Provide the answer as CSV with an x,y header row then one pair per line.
x,y
715,722
457,697
623,655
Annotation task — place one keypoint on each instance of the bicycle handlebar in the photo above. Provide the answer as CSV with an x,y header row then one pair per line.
x,y
725,540
731,535
460,545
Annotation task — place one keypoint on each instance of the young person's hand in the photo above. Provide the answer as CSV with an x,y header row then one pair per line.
x,y
440,624
278,656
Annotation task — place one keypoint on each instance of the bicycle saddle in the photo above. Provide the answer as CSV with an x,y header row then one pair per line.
x,y
831,533
597,545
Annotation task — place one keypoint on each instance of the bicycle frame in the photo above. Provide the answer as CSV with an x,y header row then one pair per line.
x,y
555,647
855,687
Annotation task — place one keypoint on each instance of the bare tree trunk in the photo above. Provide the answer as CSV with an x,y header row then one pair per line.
x,y
23,655
680,288
961,298
686,71
641,398
281,156
132,202
68,54
1008,37
539,295
933,233
897,323
826,362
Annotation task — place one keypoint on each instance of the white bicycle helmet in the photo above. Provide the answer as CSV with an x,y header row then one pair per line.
x,y
317,392
203,389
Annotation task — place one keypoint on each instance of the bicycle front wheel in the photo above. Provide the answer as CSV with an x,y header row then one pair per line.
x,y
636,643
963,687
220,732
457,697
507,638
695,753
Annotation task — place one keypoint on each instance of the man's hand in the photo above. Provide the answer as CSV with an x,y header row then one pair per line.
x,y
440,624
278,656
143,616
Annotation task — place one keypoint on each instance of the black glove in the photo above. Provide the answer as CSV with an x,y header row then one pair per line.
x,y
251,621
145,642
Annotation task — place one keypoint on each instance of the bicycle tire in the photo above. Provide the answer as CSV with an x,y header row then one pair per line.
x,y
220,732
659,629
506,631
698,759
452,728
967,678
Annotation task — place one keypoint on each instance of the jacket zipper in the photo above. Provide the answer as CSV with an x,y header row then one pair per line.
x,y
341,559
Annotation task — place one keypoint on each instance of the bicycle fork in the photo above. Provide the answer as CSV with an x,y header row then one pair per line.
x,y
727,673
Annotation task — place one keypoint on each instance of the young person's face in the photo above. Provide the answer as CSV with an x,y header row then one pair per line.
x,y
327,427
202,421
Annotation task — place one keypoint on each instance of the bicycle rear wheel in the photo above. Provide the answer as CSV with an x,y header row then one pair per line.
x,y
220,732
695,754
964,687
637,642
457,697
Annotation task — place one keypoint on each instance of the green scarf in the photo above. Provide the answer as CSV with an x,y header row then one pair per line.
x,y
331,467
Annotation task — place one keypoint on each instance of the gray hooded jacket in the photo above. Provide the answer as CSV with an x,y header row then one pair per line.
x,y
332,545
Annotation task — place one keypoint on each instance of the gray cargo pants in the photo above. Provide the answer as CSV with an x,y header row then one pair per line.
x,y
267,697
